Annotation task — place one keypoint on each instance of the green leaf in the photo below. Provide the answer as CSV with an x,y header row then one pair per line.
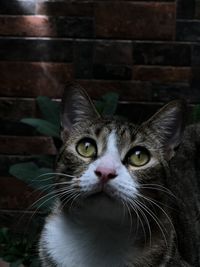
x,y
16,263
4,234
99,104
43,126
30,173
15,250
25,171
196,114
35,263
49,109
45,160
45,203
107,105
38,178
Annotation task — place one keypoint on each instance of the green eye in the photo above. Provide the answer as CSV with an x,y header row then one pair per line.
x,y
86,148
138,156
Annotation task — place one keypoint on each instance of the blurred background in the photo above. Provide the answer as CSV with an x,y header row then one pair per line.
x,y
140,53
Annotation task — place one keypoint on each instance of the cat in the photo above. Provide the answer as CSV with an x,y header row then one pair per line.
x,y
127,195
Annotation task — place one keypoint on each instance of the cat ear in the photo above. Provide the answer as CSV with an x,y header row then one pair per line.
x,y
168,125
76,106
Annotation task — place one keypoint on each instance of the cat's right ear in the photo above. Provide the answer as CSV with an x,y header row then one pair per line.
x,y
167,125
76,106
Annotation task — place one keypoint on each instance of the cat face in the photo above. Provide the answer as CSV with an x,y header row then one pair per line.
x,y
109,163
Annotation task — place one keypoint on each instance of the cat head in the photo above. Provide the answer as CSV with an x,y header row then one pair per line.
x,y
112,160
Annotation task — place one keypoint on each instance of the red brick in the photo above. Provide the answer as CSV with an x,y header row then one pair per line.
x,y
196,74
65,9
143,91
43,26
114,52
134,20
36,49
197,9
27,26
27,145
32,79
128,91
15,109
162,74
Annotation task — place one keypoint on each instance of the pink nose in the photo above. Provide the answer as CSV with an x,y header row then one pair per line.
x,y
105,174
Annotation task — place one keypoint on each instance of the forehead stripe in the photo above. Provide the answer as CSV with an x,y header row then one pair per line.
x,y
98,131
112,143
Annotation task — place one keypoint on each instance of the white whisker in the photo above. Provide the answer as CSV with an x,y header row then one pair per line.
x,y
156,220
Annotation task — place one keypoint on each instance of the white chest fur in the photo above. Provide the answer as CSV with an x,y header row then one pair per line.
x,y
73,244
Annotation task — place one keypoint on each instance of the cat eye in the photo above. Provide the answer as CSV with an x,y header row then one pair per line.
x,y
87,148
138,156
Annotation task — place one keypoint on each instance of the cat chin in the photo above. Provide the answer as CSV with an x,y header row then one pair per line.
x,y
101,207
100,196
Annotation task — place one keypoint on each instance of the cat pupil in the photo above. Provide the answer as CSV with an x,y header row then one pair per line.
x,y
138,154
87,145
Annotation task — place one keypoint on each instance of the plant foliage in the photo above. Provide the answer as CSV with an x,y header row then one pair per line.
x,y
18,249
196,114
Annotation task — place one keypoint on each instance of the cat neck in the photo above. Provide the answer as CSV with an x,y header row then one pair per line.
x,y
76,240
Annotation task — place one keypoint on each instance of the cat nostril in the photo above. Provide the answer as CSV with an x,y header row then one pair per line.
x,y
98,173
105,174
112,175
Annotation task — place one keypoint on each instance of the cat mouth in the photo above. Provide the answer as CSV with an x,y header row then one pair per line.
x,y
100,195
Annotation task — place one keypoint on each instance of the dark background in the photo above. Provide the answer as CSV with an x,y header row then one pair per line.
x,y
147,51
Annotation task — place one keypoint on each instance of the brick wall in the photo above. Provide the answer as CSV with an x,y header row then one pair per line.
x,y
148,51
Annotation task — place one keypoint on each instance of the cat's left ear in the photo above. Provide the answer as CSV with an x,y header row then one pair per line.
x,y
167,125
76,106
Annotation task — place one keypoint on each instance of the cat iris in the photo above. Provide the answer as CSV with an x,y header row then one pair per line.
x,y
87,148
138,156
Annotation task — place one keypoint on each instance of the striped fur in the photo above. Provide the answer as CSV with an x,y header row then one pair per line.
x,y
145,216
